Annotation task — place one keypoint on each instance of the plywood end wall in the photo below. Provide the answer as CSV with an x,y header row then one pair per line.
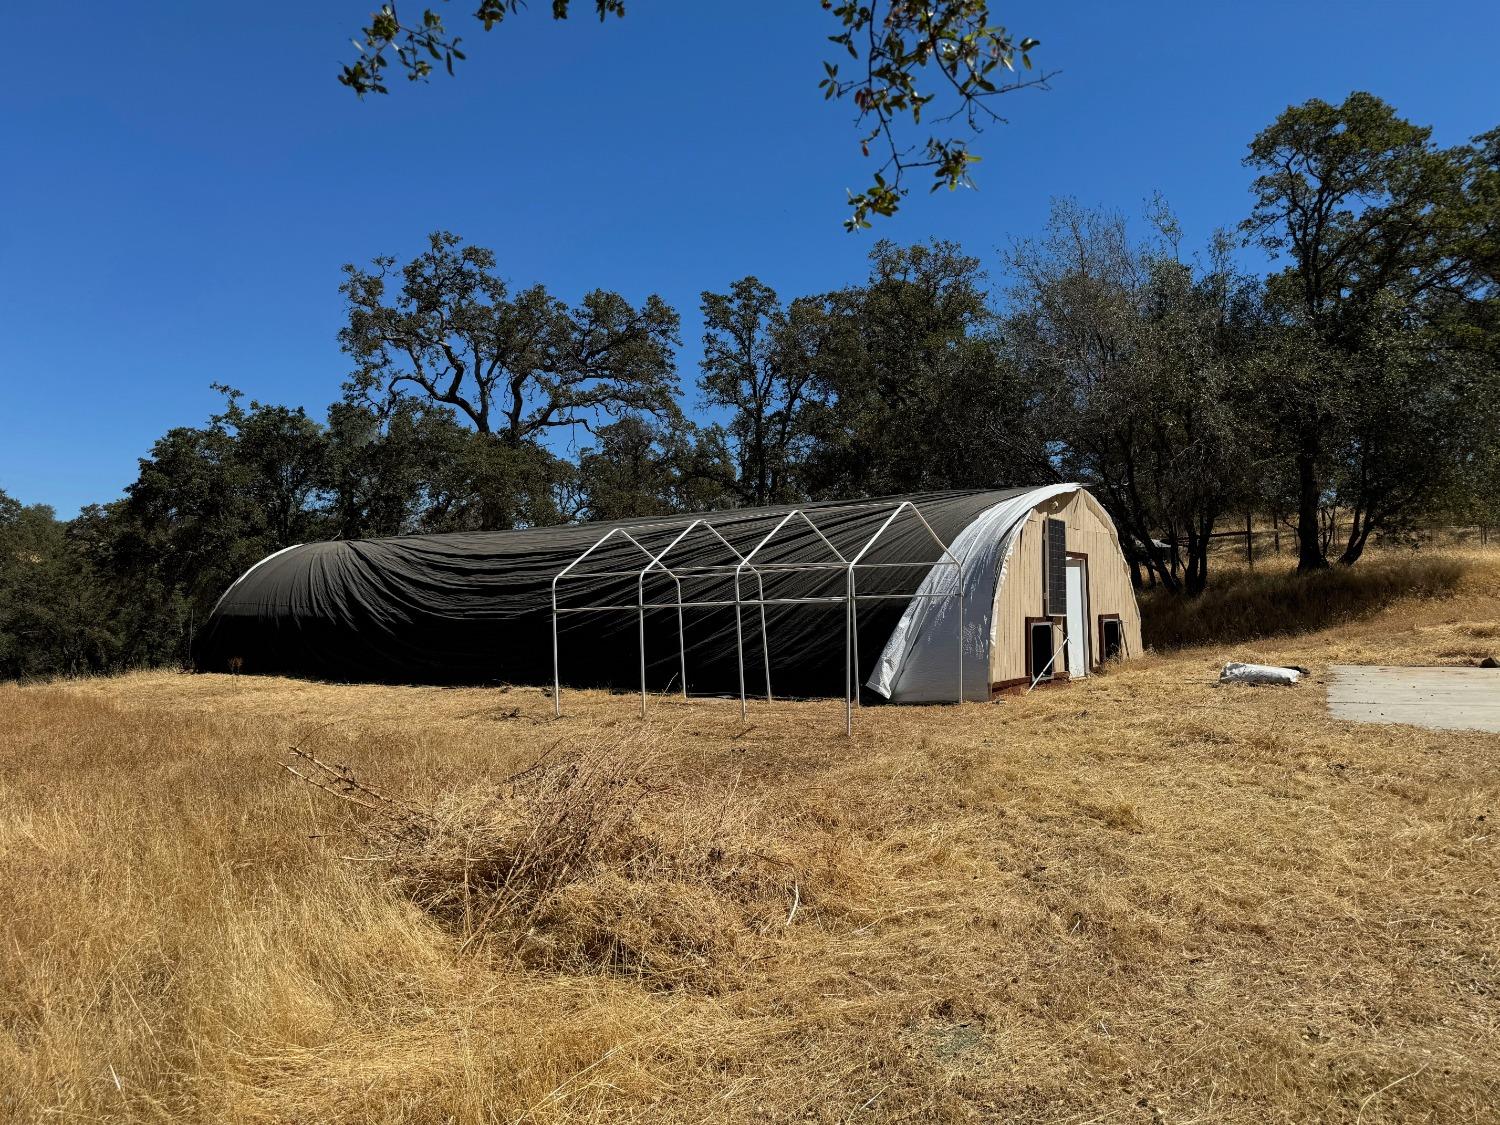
x,y
1019,594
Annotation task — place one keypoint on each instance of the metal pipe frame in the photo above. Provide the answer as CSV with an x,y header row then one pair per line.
x,y
654,563
832,599
850,598
558,577
681,635
744,562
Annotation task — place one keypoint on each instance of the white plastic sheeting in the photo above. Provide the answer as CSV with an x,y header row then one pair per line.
x,y
1235,673
920,661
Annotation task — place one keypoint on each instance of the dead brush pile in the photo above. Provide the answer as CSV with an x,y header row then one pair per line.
x,y
585,861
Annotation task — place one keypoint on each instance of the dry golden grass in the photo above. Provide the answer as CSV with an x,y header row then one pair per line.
x,y
1139,898
1271,600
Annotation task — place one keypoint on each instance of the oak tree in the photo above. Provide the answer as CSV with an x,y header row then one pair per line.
x,y
760,360
446,330
1379,227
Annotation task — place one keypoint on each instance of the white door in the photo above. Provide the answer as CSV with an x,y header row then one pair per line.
x,y
1078,618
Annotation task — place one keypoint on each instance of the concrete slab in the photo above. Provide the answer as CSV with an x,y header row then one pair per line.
x,y
1436,698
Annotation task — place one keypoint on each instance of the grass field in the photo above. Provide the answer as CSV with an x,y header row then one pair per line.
x,y
1141,898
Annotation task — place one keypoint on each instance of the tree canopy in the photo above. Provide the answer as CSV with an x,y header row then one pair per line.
x,y
515,367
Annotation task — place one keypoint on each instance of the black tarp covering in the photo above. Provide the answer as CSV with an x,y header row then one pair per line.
x,y
477,607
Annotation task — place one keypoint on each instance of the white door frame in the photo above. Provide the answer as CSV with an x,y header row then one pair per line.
x,y
1077,628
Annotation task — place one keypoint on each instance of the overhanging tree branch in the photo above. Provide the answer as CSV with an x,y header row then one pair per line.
x,y
892,42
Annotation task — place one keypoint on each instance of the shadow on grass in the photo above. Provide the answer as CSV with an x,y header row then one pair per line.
x,y
1244,605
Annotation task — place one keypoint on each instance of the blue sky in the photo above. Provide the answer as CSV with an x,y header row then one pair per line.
x,y
182,182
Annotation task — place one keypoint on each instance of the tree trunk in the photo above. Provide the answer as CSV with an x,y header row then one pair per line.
x,y
1309,545
1158,567
1353,549
1359,533
1196,575
1166,570
1133,561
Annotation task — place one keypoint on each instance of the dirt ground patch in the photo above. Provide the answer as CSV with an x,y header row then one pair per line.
x,y
1137,898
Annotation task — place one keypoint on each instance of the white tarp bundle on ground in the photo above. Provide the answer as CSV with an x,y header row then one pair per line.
x,y
1234,673
920,661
